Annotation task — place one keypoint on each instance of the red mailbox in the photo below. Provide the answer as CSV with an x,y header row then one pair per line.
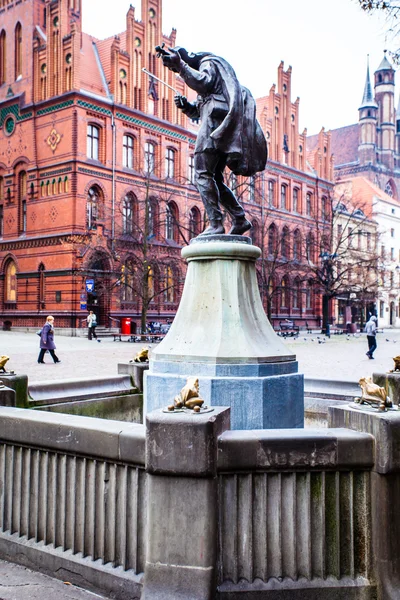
x,y
126,325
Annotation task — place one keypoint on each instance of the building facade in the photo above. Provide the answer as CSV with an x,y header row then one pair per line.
x,y
367,162
96,176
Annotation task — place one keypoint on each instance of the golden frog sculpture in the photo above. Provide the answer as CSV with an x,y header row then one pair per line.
x,y
3,361
189,397
142,356
373,394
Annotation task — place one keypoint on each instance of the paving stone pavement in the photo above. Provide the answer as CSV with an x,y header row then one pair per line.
x,y
19,583
340,357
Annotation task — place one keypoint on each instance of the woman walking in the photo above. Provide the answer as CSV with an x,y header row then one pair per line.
x,y
47,341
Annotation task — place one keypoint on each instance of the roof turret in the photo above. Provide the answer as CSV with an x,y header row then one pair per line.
x,y
385,64
368,100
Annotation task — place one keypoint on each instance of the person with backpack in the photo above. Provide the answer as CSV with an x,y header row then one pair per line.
x,y
92,324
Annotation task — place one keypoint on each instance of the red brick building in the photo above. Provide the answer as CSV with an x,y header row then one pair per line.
x,y
96,163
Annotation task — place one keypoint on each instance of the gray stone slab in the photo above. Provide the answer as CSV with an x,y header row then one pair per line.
x,y
64,433
392,382
294,449
184,443
385,427
67,389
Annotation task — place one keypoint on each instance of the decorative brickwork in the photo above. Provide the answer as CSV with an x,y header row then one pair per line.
x,y
84,216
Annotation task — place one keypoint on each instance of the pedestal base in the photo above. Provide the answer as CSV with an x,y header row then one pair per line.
x,y
260,396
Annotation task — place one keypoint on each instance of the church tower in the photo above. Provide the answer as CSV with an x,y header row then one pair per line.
x,y
384,95
368,112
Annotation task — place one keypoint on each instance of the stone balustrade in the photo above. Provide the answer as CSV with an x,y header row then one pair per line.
x,y
137,511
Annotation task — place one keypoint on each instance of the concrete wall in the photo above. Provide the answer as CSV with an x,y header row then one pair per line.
x,y
200,511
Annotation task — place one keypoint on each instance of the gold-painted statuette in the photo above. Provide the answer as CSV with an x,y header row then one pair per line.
x,y
189,396
373,394
142,356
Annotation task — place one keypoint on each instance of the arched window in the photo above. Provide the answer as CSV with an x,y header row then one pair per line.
x,y
232,181
171,222
127,280
149,158
170,163
169,293
285,290
128,207
308,294
296,200
255,233
252,189
389,189
272,239
18,51
93,207
296,245
22,201
194,222
191,169
296,294
42,291
93,142
284,197
10,284
310,248
3,57
153,218
308,204
127,151
285,243
271,192
324,208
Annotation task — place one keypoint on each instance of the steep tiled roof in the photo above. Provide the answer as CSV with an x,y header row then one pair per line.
x,y
344,144
91,79
363,193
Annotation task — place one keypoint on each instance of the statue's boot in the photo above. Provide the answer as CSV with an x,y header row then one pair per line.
x,y
240,226
215,227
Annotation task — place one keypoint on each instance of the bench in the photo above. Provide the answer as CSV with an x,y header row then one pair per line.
x,y
288,328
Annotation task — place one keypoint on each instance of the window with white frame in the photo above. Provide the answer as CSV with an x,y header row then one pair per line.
x,y
170,163
149,157
127,151
93,142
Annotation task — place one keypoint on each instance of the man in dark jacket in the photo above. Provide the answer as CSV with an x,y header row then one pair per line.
x,y
229,134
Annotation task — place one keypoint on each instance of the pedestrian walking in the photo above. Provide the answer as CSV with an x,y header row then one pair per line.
x,y
92,324
370,330
47,341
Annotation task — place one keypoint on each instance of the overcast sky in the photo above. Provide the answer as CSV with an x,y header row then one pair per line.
x,y
325,41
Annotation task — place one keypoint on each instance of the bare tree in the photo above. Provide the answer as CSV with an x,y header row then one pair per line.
x,y
391,9
341,254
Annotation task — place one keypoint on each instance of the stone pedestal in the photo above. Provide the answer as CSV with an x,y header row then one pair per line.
x,y
222,335
181,462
